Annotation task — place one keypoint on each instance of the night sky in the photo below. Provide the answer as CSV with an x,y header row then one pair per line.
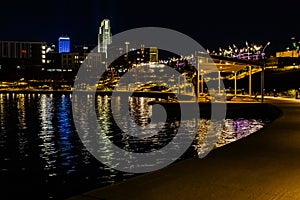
x,y
212,23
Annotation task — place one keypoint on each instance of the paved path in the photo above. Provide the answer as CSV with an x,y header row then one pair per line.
x,y
265,165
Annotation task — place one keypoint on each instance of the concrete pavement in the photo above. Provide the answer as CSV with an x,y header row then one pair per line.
x,y
264,165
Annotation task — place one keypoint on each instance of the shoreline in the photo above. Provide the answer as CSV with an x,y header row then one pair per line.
x,y
108,93
233,108
263,165
167,178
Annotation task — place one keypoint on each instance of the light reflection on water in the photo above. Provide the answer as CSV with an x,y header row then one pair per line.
x,y
39,144
233,130
237,129
48,150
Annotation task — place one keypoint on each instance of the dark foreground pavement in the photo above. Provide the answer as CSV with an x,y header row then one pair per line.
x,y
265,165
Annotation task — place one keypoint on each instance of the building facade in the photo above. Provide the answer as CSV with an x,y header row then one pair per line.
x,y
104,37
291,53
21,58
288,59
63,44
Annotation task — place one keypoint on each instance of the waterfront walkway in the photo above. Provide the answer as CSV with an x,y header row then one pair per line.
x,y
264,165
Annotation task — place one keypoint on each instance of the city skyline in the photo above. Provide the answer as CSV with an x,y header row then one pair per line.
x,y
211,25
292,43
81,122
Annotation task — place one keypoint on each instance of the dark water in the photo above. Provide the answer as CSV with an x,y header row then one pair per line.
x,y
42,156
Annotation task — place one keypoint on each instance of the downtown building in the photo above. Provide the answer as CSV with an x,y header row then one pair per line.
x,y
64,44
21,59
289,59
104,37
61,63
63,67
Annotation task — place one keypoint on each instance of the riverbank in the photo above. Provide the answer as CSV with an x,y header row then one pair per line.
x,y
265,165
151,94
239,106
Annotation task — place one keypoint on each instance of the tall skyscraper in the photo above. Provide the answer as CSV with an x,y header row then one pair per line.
x,y
104,36
64,44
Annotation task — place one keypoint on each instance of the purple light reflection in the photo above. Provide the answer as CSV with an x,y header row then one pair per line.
x,y
232,131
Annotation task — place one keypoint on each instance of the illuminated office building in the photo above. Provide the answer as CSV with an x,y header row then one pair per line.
x,y
64,44
21,58
22,53
104,37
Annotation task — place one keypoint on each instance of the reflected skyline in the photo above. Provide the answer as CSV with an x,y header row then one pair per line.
x,y
38,141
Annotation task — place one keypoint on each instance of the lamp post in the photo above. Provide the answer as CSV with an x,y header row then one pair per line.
x,y
263,73
127,43
219,80
235,85
202,81
198,75
126,49
250,81
178,85
247,50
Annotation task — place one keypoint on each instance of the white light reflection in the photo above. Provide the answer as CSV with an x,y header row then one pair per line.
x,y
22,139
105,122
47,146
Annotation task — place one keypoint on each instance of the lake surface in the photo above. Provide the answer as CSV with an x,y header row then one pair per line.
x,y
42,156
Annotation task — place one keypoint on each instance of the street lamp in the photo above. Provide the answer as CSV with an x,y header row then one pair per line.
x,y
202,81
235,85
263,72
219,80
127,43
126,49
248,50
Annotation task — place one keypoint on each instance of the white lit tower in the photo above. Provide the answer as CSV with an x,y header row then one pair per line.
x,y
104,36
